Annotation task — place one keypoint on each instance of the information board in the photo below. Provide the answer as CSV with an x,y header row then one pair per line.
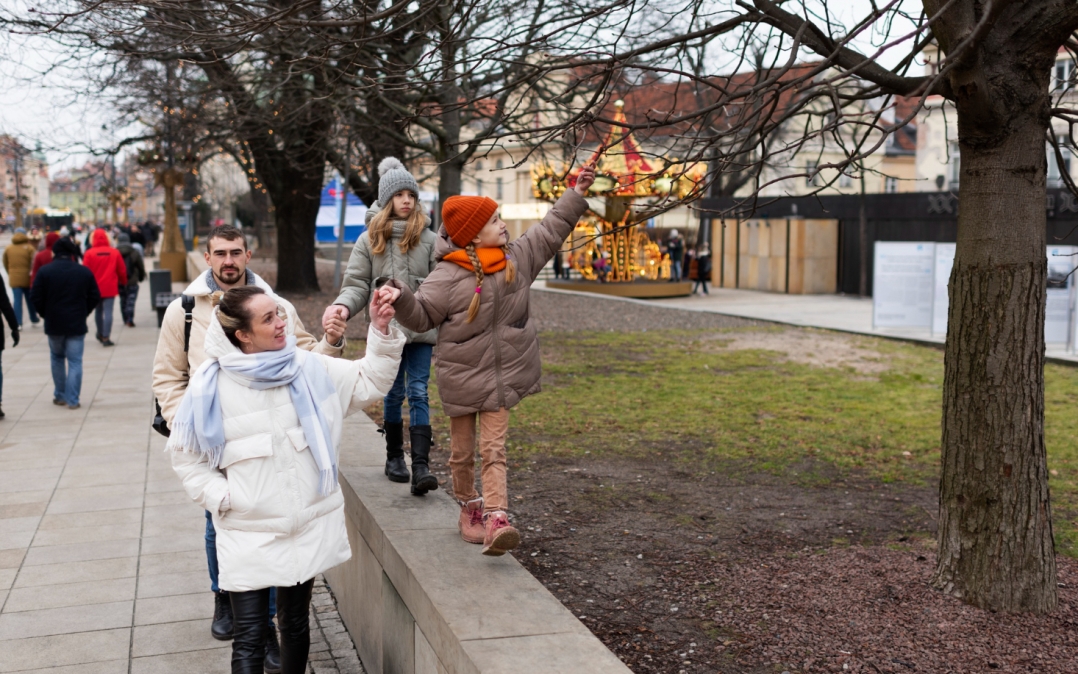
x,y
902,288
941,277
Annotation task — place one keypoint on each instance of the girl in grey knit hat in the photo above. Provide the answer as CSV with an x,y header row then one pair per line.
x,y
397,244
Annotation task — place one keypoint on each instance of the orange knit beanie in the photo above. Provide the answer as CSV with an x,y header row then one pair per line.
x,y
463,217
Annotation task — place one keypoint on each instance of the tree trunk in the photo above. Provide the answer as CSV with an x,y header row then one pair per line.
x,y
295,212
995,529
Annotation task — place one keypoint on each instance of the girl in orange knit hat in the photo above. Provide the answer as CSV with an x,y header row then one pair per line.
x,y
488,354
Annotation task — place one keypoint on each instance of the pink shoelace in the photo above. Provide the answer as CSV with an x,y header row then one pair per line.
x,y
476,517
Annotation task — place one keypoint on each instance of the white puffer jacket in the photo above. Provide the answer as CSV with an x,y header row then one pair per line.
x,y
277,530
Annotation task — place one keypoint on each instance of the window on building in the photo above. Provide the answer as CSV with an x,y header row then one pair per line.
x,y
954,165
890,185
498,189
498,164
813,178
1063,75
845,180
479,186
1055,175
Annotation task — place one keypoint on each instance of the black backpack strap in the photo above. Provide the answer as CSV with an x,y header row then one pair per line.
x,y
188,303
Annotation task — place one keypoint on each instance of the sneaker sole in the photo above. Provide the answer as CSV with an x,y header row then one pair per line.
x,y
504,542
429,483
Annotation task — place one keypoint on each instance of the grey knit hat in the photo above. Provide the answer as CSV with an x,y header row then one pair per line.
x,y
393,178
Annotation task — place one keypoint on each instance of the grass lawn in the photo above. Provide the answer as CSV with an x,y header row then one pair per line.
x,y
687,396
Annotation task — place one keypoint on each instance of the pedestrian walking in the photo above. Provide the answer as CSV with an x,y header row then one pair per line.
x,y
703,270
488,353
557,265
111,273
43,256
177,358
257,447
67,293
13,323
149,232
18,262
676,247
136,273
397,244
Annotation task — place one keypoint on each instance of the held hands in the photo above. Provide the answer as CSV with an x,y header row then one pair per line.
x,y
334,311
14,338
334,328
585,179
381,313
386,295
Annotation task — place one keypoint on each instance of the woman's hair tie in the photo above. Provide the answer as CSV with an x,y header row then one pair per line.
x,y
479,289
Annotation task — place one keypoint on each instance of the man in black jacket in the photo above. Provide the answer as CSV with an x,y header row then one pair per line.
x,y
65,293
9,313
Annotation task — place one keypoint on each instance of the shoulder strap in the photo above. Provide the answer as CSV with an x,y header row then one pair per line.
x,y
188,303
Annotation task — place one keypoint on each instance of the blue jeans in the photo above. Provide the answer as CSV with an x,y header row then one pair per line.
x,y
412,377
211,562
675,270
103,317
66,380
19,294
128,296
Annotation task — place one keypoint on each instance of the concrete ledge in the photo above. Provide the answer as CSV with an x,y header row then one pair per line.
x,y
419,600
637,289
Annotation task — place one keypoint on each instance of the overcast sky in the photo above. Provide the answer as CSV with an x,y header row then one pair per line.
x,y
47,109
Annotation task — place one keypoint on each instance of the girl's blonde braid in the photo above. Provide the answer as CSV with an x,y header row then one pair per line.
x,y
510,268
473,308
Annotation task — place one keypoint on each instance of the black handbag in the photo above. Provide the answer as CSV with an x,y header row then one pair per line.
x,y
159,424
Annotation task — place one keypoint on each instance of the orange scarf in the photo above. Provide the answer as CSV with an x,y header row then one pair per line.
x,y
492,259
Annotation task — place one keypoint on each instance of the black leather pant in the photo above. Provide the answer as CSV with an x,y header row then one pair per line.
x,y
250,620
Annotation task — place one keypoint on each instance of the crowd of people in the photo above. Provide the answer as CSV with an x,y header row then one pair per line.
x,y
686,263
60,282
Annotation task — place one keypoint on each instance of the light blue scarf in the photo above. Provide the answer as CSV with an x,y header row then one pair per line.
x,y
198,425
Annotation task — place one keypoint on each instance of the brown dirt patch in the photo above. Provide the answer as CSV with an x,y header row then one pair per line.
x,y
811,347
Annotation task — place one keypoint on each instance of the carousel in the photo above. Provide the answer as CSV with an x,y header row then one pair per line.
x,y
610,249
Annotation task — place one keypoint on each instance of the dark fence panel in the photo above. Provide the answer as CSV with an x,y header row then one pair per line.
x,y
912,216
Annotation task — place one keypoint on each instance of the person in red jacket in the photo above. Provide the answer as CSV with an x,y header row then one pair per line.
x,y
110,271
44,256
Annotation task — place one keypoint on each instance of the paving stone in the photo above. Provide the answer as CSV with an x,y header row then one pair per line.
x,y
64,649
81,552
70,619
70,594
175,637
74,572
209,661
12,559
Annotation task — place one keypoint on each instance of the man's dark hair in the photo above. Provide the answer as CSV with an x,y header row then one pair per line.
x,y
226,232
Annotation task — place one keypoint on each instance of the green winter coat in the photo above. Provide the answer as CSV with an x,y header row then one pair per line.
x,y
409,268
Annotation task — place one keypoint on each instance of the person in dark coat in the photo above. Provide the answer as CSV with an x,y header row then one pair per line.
x,y
676,248
66,294
9,315
703,270
136,273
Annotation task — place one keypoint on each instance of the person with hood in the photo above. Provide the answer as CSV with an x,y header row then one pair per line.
x,y
66,292
176,361
109,269
397,244
256,442
488,350
43,256
18,262
136,273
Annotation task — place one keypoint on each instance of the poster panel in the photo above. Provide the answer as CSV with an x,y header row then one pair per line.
x,y
902,283
942,275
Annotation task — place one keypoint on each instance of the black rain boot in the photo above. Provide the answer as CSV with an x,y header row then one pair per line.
x,y
272,662
422,480
221,627
396,470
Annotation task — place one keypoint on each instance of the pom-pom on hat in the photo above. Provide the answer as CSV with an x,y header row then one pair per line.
x,y
392,178
463,217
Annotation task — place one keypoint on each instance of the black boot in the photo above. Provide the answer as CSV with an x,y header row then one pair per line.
x,y
221,627
272,662
422,480
396,470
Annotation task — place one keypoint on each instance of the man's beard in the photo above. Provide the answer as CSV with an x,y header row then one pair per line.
x,y
230,276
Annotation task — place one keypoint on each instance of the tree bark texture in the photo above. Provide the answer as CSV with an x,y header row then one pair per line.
x,y
995,530
296,203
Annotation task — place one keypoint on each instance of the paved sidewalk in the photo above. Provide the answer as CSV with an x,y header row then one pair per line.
x,y
830,312
102,560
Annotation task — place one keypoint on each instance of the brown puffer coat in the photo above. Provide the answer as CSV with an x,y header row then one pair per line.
x,y
18,259
493,361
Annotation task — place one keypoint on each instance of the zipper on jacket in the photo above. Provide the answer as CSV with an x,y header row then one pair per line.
x,y
497,349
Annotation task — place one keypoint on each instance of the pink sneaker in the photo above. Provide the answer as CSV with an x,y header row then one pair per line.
x,y
500,537
471,521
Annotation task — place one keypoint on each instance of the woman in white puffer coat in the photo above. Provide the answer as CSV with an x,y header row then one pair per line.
x,y
255,442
